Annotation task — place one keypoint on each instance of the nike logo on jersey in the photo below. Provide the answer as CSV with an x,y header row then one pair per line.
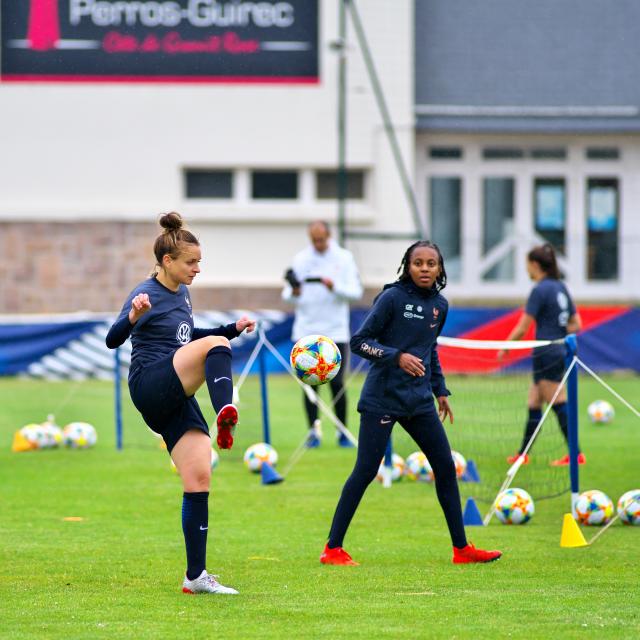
x,y
203,528
387,421
433,325
221,378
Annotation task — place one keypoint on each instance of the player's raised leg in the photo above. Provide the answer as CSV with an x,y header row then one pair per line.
x,y
210,359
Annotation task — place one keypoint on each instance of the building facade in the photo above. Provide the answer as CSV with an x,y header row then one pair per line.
x,y
517,123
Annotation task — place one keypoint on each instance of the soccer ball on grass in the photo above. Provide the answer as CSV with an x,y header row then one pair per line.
x,y
514,506
600,412
259,453
594,508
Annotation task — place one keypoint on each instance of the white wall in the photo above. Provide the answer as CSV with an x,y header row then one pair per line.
x,y
115,152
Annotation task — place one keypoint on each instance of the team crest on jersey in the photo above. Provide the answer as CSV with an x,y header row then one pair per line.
x,y
183,334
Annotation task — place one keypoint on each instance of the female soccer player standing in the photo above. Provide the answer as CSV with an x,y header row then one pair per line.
x,y
399,338
550,306
169,362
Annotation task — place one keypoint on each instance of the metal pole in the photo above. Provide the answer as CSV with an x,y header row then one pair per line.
x,y
264,396
386,118
572,419
341,47
118,399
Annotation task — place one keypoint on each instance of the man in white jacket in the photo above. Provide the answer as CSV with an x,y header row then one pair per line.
x,y
321,283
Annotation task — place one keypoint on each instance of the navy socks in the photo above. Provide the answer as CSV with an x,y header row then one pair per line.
x,y
532,423
195,524
217,371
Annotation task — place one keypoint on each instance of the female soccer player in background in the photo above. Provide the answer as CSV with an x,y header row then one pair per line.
x,y
399,338
170,360
550,306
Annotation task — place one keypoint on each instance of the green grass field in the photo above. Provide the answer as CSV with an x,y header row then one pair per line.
x,y
117,572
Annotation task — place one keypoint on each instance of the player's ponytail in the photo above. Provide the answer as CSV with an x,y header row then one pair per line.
x,y
172,237
403,269
545,256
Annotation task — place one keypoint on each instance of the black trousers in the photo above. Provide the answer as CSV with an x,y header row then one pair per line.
x,y
337,387
429,434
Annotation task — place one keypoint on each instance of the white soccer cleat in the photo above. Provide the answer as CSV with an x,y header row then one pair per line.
x,y
206,583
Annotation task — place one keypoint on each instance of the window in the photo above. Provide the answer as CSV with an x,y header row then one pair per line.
x,y
498,209
549,153
550,210
445,227
603,153
204,183
445,153
602,228
502,153
327,185
274,185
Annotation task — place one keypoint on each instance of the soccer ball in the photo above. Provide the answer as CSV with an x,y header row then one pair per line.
x,y
315,359
629,507
417,467
52,434
397,468
594,508
259,453
514,506
34,434
79,435
215,459
460,462
600,412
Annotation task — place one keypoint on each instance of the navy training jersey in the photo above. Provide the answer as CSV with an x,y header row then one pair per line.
x,y
551,306
404,318
166,327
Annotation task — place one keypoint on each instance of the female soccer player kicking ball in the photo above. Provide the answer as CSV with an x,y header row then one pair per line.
x,y
169,362
399,338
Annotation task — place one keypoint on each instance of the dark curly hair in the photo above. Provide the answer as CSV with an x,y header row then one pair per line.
x,y
403,269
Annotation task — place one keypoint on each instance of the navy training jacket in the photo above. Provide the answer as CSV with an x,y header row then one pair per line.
x,y
404,319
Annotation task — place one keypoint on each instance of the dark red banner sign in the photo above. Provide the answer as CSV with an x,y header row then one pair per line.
x,y
159,40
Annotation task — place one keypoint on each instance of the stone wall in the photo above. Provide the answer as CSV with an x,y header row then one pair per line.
x,y
66,267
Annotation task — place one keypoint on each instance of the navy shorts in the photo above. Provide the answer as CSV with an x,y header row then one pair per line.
x,y
158,395
548,363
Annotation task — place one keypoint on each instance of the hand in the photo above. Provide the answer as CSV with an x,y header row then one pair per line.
x,y
444,409
139,306
245,323
328,282
295,292
411,364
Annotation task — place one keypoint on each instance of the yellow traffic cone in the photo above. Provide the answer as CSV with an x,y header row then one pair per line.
x,y
571,535
20,443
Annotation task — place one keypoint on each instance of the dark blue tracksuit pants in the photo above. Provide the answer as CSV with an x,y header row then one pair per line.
x,y
429,434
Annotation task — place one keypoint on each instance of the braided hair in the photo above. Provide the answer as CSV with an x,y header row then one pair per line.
x,y
403,269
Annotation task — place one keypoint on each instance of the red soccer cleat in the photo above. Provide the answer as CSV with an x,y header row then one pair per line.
x,y
564,461
470,554
337,556
227,420
512,459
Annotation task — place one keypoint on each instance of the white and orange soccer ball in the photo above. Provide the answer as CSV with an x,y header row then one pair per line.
x,y
594,508
315,359
397,468
629,507
601,412
514,506
417,467
79,435
461,463
257,454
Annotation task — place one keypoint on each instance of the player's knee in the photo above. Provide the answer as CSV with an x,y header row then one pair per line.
x,y
217,341
197,480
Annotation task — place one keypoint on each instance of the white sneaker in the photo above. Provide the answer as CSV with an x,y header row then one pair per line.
x,y
206,583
